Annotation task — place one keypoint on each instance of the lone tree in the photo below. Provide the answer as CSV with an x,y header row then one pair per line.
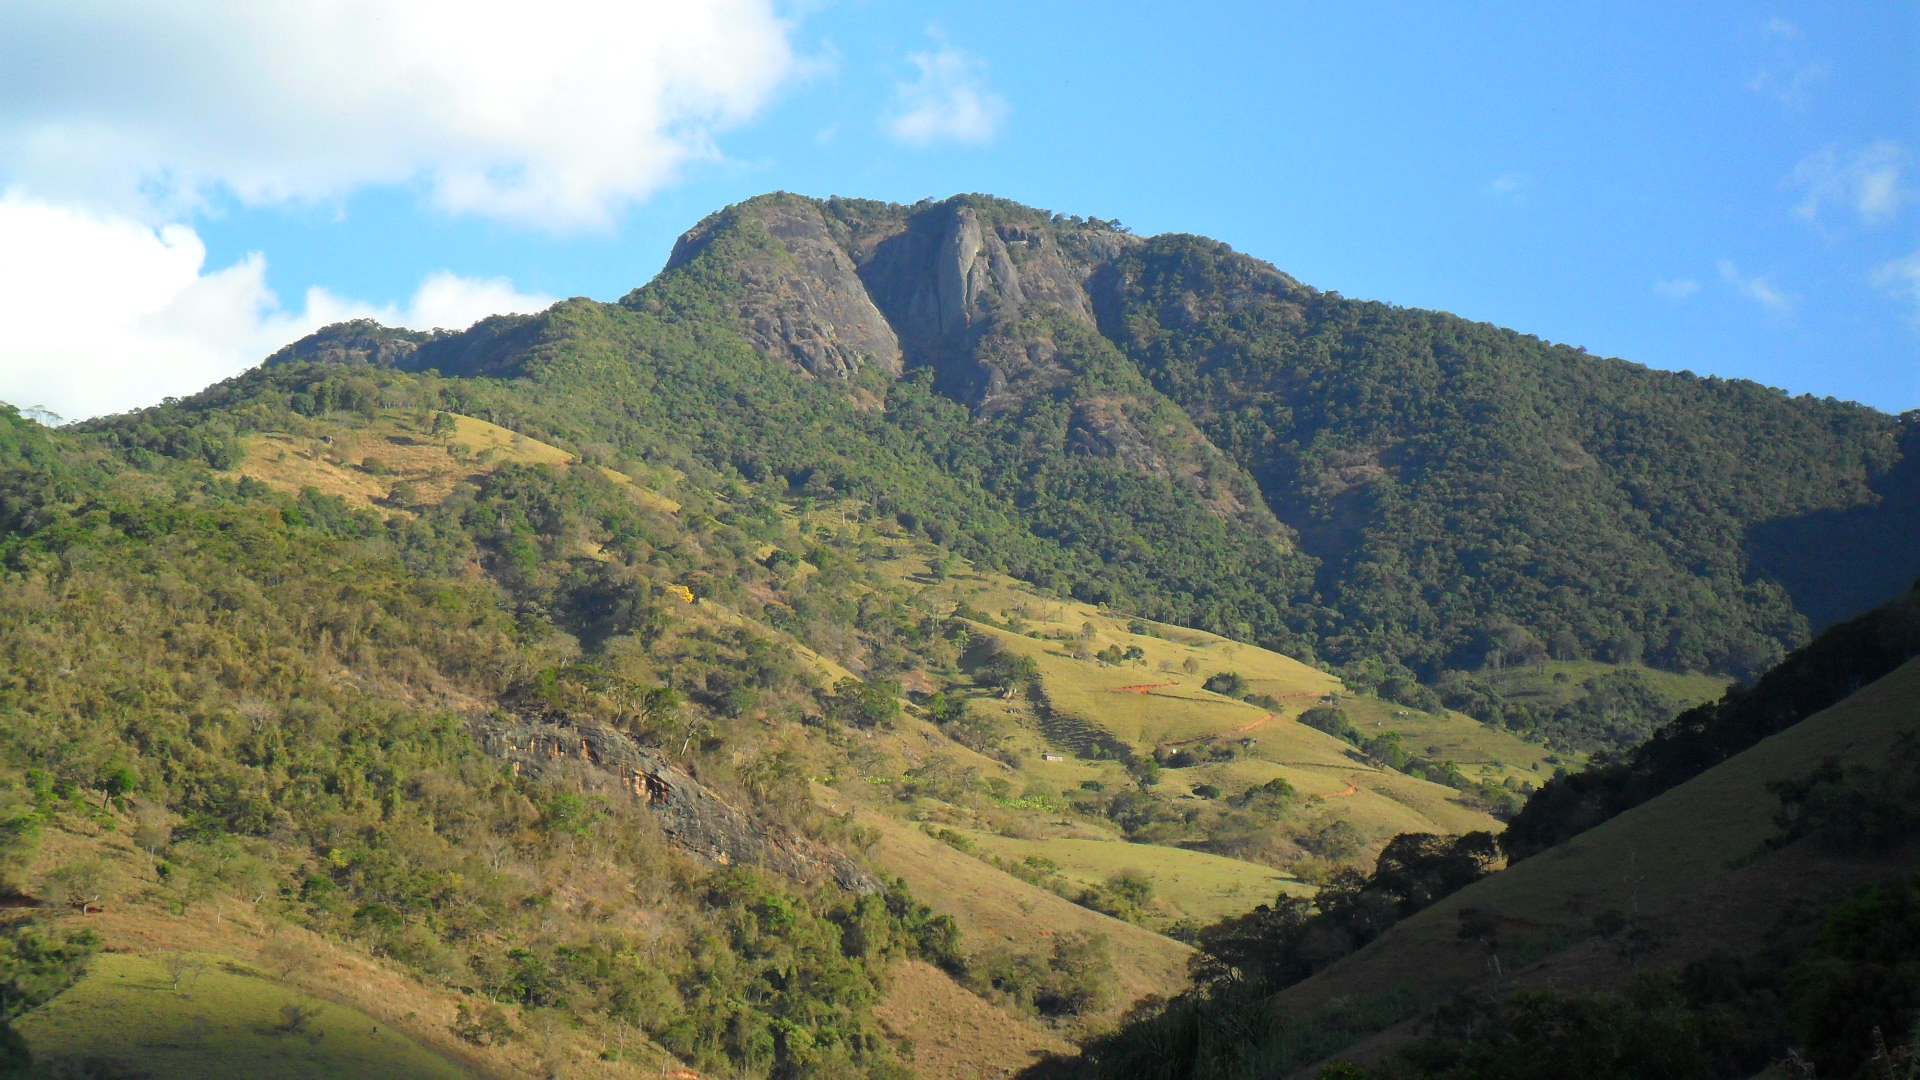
x,y
81,885
182,967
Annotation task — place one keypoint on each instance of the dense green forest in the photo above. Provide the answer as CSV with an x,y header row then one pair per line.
x,y
1478,497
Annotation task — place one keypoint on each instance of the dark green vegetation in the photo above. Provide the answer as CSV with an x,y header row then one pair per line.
x,y
1221,1028
1609,712
1833,994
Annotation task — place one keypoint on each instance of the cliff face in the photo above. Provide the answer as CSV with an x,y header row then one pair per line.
x,y
694,818
997,300
800,298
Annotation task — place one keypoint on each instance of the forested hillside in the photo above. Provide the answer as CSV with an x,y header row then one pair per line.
x,y
954,609
1170,426
607,758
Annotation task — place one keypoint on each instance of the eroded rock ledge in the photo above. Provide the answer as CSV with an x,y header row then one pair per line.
x,y
693,817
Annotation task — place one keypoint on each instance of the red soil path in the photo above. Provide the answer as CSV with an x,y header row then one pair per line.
x,y
1244,728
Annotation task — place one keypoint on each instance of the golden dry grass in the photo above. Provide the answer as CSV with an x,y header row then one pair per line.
x,y
352,986
364,462
956,1035
224,1019
996,908
1178,710
1194,884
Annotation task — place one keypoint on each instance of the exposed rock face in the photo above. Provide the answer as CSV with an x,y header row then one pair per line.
x,y
1005,304
947,279
802,300
1103,429
693,817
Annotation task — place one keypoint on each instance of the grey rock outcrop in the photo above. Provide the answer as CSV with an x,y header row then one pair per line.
x,y
694,818
802,301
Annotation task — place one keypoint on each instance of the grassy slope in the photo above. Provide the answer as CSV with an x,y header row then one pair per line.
x,y
1198,885
364,460
244,982
221,1022
1000,908
1534,684
1178,710
1689,862
955,1035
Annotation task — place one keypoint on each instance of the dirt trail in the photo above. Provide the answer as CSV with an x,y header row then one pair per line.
x,y
1244,728
1147,689
1241,730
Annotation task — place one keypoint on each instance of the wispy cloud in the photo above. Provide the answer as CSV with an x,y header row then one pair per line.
x,y
1901,278
1676,288
1512,186
1788,74
947,101
1869,181
1757,289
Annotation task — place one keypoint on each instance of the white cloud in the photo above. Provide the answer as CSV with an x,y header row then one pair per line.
x,y
1757,289
101,313
1867,181
1901,278
1676,289
1510,186
556,117
1788,74
948,101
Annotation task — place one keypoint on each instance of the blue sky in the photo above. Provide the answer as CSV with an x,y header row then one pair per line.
x,y
1728,188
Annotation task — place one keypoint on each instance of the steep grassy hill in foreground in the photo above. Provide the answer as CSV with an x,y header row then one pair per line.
x,y
1701,905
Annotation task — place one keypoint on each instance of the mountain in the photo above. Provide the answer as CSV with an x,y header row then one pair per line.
x,y
1184,430
955,611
